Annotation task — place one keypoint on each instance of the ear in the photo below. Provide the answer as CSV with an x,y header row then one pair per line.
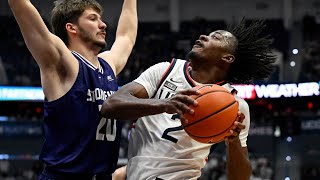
x,y
70,28
229,58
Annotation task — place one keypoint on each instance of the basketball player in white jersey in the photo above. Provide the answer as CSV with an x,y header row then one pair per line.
x,y
159,148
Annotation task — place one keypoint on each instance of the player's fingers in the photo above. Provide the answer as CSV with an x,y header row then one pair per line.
x,y
239,125
185,99
182,118
240,117
174,105
233,133
170,107
182,107
175,110
236,129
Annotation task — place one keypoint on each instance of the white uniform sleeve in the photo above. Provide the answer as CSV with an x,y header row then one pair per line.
x,y
244,108
152,76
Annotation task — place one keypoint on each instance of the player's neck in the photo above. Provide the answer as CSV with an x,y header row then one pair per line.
x,y
89,54
207,76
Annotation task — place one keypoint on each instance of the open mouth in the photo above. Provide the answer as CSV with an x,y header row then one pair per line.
x,y
198,44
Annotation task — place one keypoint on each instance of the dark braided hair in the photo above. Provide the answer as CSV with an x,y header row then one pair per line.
x,y
253,56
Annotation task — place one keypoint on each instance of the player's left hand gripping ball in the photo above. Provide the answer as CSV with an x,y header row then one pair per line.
x,y
237,127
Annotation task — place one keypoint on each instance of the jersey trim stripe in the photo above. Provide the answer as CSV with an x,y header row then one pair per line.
x,y
221,83
83,59
165,75
100,68
187,75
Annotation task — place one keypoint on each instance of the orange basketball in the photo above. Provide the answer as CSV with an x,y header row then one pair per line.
x,y
214,116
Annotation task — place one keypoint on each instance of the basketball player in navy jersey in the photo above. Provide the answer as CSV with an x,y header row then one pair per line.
x,y
159,148
76,79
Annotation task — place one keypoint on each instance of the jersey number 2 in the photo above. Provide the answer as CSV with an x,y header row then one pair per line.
x,y
106,128
165,133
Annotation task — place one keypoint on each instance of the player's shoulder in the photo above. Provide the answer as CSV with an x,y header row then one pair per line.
x,y
179,61
162,64
174,61
167,64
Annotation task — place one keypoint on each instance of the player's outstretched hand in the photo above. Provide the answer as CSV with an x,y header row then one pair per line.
x,y
180,102
237,127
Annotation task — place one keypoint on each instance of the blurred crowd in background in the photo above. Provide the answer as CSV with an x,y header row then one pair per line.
x,y
156,43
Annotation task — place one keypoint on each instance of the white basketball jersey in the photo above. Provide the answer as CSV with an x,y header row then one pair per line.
x,y
158,146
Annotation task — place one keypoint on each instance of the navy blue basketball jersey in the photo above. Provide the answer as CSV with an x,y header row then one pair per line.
x,y
77,138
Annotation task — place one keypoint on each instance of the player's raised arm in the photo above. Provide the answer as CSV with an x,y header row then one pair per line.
x,y
125,37
43,45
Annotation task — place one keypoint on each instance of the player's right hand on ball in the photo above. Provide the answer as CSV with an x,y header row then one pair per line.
x,y
180,102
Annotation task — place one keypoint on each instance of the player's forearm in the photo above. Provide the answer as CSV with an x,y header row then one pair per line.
x,y
128,21
17,3
238,163
35,33
29,20
128,107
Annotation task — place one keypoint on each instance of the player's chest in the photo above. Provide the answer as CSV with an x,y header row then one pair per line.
x,y
169,88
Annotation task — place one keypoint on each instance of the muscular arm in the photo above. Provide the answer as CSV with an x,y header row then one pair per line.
x,y
131,102
50,53
125,37
238,164
45,47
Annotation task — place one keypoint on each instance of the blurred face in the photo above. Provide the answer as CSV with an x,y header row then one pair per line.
x,y
91,28
213,46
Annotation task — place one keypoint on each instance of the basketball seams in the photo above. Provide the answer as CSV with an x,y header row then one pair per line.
x,y
215,134
211,92
216,115
204,86
211,114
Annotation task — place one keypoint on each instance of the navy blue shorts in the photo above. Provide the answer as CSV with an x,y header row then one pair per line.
x,y
45,175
